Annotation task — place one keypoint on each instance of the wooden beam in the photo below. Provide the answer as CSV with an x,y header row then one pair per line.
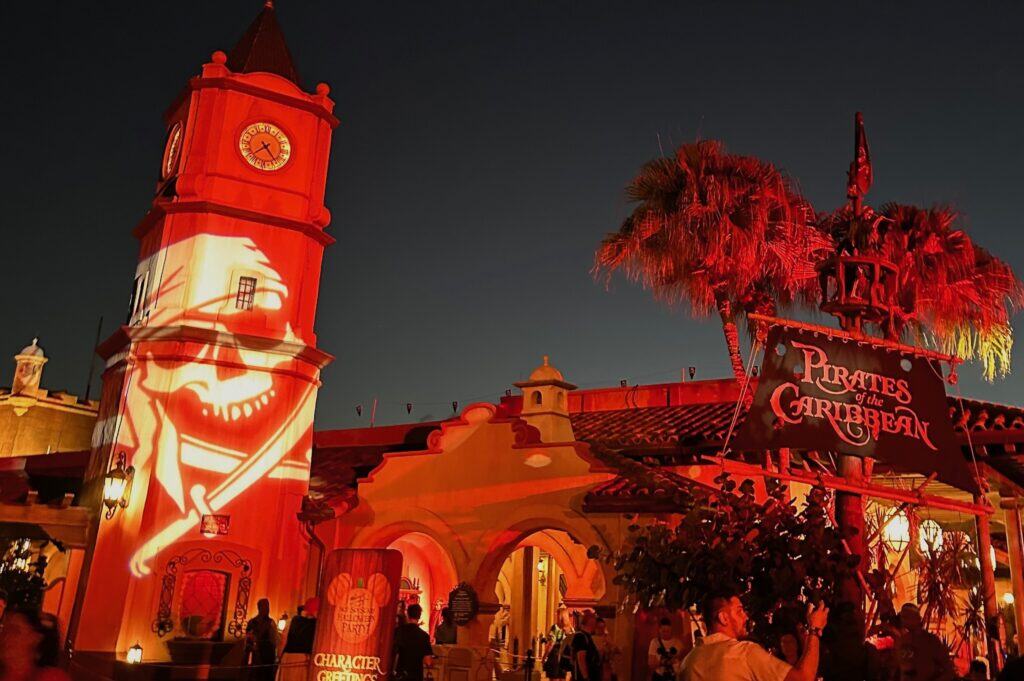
x,y
857,337
867,489
40,514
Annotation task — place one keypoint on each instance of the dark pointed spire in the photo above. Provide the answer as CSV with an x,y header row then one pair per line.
x,y
262,48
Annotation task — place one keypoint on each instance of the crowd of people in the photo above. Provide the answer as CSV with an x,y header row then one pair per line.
x,y
806,646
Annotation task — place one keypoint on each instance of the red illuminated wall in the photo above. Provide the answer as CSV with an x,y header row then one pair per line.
x,y
211,386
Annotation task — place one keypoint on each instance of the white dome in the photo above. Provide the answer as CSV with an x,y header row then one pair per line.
x,y
33,350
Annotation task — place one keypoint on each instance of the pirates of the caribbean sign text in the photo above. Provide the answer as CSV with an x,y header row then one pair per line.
x,y
836,394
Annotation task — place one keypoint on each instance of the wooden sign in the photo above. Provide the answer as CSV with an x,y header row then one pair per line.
x,y
855,397
463,604
358,602
213,525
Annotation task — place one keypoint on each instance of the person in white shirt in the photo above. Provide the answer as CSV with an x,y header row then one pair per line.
x,y
665,653
723,656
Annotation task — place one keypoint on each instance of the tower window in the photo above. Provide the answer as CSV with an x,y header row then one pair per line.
x,y
537,397
246,295
139,292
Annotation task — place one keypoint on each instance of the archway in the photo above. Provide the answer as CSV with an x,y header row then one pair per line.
x,y
545,576
428,575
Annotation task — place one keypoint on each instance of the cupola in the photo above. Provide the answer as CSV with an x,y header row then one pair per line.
x,y
546,403
28,373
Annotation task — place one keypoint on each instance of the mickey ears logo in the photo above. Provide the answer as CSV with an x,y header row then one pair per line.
x,y
357,605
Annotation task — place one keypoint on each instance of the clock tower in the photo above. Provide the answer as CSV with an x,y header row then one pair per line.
x,y
210,386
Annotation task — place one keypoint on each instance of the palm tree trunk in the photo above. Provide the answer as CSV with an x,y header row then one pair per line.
x,y
732,337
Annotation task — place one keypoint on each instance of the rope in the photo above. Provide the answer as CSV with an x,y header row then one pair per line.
x,y
92,673
739,400
967,431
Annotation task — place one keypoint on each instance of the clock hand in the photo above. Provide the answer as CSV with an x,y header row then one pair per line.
x,y
266,148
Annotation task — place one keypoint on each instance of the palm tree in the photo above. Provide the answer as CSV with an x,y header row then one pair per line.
x,y
722,232
954,295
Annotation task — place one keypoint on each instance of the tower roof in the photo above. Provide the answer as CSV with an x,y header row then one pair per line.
x,y
546,372
32,350
263,48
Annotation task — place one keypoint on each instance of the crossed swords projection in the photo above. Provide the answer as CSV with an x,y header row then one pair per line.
x,y
206,502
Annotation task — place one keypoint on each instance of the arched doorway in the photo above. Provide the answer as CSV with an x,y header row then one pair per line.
x,y
544,578
428,575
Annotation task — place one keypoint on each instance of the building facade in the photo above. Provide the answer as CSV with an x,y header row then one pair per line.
x,y
206,487
34,420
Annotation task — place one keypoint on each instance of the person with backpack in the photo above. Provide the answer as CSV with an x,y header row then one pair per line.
x,y
558,655
586,657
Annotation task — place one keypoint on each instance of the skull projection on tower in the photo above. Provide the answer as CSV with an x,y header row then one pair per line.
x,y
210,386
214,423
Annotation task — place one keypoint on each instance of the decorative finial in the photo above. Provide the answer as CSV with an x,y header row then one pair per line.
x,y
219,57
35,341
545,360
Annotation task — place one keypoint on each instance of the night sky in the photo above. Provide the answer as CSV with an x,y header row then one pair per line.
x,y
481,156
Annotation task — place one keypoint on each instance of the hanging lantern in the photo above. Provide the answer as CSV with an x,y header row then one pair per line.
x,y
692,371
408,407
929,536
117,486
282,623
134,655
897,532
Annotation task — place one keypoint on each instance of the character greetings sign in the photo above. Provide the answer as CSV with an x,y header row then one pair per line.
x,y
359,598
835,394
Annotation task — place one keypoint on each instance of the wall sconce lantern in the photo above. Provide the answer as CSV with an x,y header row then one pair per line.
x,y
282,623
1008,598
134,655
117,486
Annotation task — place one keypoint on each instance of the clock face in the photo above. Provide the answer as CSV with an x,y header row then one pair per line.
x,y
172,152
265,146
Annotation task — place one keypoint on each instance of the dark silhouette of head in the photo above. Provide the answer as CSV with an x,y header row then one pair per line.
x,y
263,607
446,614
414,612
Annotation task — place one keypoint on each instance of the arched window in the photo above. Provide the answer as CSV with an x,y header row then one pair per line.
x,y
560,400
538,399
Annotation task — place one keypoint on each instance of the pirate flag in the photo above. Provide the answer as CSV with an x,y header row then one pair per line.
x,y
860,176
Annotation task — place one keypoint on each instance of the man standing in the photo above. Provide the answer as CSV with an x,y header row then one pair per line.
x,y
412,646
585,655
723,656
665,653
298,643
261,643
922,655
446,633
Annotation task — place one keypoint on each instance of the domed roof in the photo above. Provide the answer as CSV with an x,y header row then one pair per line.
x,y
546,372
33,350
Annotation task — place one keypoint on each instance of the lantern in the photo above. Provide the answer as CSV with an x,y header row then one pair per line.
x,y
282,623
117,486
992,555
134,655
897,531
929,536
1008,598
